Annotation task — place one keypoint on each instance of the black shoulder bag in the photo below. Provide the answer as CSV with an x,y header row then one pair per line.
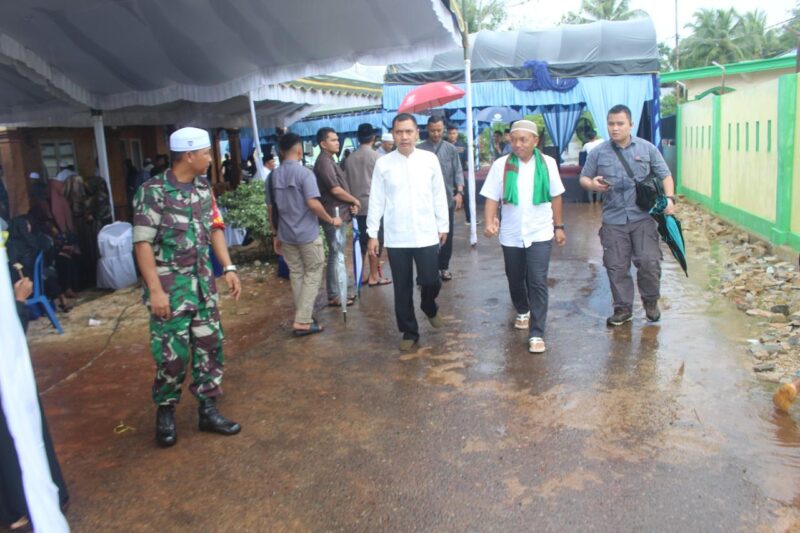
x,y
271,187
648,190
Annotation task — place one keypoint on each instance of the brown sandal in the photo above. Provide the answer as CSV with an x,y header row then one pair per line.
x,y
337,303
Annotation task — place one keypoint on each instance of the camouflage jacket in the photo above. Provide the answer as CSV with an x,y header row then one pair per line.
x,y
178,224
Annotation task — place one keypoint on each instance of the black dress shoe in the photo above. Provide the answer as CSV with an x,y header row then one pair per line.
x,y
166,432
211,420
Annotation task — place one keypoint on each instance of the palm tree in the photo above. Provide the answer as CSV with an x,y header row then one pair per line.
x,y
752,36
594,10
666,56
713,39
791,32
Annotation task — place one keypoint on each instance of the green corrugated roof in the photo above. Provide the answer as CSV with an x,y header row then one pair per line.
x,y
743,67
335,85
344,111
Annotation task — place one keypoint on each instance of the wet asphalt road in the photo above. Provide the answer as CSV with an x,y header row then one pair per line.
x,y
470,433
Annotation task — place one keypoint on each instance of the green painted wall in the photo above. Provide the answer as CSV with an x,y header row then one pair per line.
x,y
795,216
738,155
749,150
695,169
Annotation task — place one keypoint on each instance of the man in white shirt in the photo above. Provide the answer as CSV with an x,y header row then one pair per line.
x,y
268,161
407,191
591,143
529,186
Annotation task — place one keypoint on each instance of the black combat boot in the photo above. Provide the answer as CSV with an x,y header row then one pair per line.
x,y
651,311
619,317
166,433
211,420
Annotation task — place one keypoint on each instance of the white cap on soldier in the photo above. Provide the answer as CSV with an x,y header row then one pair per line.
x,y
188,139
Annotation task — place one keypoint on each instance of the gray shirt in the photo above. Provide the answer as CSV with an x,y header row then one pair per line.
x,y
450,162
358,174
619,202
294,185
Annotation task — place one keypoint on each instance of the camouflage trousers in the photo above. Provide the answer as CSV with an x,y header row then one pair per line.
x,y
190,337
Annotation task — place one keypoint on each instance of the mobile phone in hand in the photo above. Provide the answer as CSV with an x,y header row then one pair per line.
x,y
604,182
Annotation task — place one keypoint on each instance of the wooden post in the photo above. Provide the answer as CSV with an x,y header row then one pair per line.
x,y
236,157
216,160
14,174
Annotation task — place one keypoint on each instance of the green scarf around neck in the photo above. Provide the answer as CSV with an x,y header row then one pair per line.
x,y
541,180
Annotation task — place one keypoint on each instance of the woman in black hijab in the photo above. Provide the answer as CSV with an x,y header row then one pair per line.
x,y
24,246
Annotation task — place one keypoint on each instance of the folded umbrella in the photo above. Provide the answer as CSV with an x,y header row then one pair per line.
x,y
341,268
671,233
358,261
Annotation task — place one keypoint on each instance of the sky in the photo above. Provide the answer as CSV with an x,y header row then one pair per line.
x,y
535,14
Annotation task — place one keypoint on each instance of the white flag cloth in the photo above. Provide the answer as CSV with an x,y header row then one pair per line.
x,y
21,407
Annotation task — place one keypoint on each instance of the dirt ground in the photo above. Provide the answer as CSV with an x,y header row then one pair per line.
x,y
657,427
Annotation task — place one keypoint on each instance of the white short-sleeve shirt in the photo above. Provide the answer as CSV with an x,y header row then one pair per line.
x,y
525,223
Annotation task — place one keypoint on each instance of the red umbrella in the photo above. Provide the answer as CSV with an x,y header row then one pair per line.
x,y
430,95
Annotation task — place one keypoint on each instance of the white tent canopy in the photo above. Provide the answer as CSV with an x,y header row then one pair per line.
x,y
146,61
107,55
275,106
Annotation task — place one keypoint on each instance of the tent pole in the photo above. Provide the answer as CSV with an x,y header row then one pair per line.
x,y
256,141
102,155
464,27
473,235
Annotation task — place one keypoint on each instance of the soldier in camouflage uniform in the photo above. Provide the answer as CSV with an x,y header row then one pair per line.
x,y
174,230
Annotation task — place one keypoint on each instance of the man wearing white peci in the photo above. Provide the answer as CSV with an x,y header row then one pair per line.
x,y
529,186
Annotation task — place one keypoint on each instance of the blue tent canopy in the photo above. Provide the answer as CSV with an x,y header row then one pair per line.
x,y
598,94
459,115
344,124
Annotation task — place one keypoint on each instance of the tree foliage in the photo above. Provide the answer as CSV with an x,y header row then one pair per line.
x,y
669,105
726,36
484,14
246,207
594,10
790,34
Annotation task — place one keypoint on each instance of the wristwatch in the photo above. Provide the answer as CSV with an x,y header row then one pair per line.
x,y
229,268
558,226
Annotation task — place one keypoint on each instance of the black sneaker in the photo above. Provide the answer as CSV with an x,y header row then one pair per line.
x,y
619,317
651,311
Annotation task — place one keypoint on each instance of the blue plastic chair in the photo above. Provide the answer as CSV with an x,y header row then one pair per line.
x,y
39,297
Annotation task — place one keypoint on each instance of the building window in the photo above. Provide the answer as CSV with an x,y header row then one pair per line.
x,y
56,154
132,149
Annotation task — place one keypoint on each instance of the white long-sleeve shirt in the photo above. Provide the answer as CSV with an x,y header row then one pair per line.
x,y
408,192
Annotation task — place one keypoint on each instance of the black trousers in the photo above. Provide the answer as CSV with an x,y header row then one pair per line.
x,y
402,262
363,238
446,251
526,270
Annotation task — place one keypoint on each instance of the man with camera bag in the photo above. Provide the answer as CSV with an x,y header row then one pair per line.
x,y
617,168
